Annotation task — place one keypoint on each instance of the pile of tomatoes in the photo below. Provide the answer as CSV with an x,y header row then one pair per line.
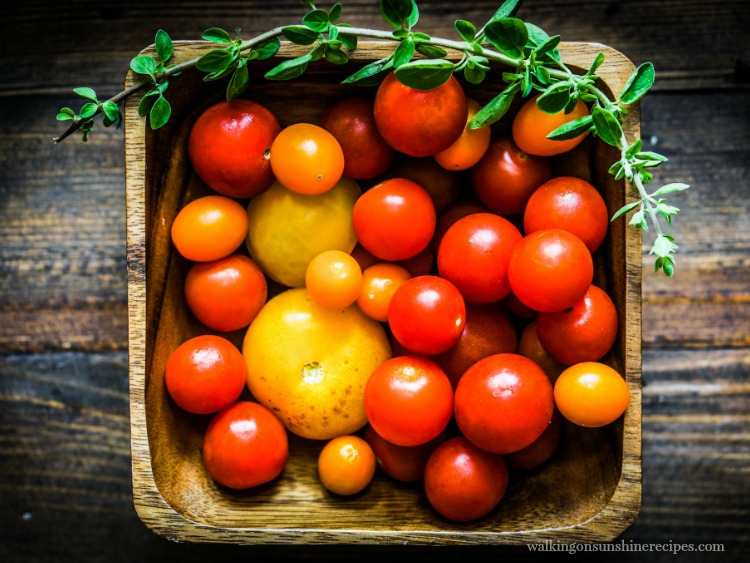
x,y
437,316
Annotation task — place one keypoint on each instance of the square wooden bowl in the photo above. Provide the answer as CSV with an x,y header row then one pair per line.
x,y
589,492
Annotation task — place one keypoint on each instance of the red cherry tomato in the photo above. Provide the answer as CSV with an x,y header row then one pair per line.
x,y
503,403
531,125
394,220
205,374
229,147
209,228
245,446
529,346
420,122
402,463
506,176
463,482
540,450
571,204
351,121
427,315
584,333
413,385
444,186
226,294
591,394
550,270
474,255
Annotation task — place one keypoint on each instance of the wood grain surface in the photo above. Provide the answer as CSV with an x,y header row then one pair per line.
x,y
66,486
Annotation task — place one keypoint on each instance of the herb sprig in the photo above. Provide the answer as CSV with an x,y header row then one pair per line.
x,y
530,57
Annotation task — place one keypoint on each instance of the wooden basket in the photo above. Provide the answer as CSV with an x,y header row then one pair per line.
x,y
589,492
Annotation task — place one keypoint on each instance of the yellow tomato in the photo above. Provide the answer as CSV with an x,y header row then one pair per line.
x,y
286,230
309,364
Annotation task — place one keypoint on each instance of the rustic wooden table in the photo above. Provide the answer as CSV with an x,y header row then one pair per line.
x,y
65,477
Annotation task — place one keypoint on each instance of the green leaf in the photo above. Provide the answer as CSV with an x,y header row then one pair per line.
x,y
216,60
148,99
268,49
425,74
466,30
89,110
87,93
317,20
538,37
66,114
217,35
555,98
542,75
349,40
289,69
299,34
335,12
371,74
238,82
336,56
399,13
403,53
111,110
160,113
638,84
496,108
663,245
625,209
431,51
143,64
596,64
508,9
508,35
607,126
163,45
634,148
670,188
572,129
549,45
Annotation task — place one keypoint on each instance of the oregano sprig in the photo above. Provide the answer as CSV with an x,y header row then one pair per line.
x,y
530,63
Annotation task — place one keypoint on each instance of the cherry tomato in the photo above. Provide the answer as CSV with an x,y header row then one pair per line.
x,y
307,159
456,212
226,294
334,279
444,186
229,146
470,147
591,394
463,482
395,219
571,204
583,333
503,403
209,228
427,315
379,283
529,346
420,122
413,385
540,450
531,126
346,465
402,463
489,330
475,253
506,176
550,270
245,446
205,373
351,121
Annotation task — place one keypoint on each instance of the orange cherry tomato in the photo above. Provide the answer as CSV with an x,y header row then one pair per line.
x,y
226,294
205,374
379,283
209,228
470,147
531,126
334,279
591,394
307,159
346,465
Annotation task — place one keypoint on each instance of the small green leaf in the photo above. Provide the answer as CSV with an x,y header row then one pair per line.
x,y
638,84
399,13
335,12
572,129
596,64
431,51
143,64
289,69
555,97
607,126
496,108
349,40
216,60
542,75
111,110
317,20
625,209
89,110
163,45
87,93
547,46
466,30
508,35
160,113
670,188
268,49
371,74
649,158
403,53
425,74
238,82
634,148
538,37
217,35
299,34
148,99
336,56
474,74
508,9
66,114
663,246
